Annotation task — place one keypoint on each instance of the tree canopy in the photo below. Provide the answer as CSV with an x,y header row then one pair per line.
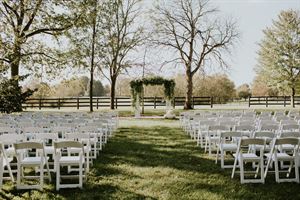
x,y
279,54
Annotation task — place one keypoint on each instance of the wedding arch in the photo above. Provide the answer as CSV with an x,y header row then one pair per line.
x,y
137,87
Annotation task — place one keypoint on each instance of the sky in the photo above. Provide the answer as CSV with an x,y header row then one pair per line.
x,y
253,16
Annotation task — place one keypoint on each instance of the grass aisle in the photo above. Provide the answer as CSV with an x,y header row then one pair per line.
x,y
154,159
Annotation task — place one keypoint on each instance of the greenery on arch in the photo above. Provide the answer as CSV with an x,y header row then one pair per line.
x,y
137,87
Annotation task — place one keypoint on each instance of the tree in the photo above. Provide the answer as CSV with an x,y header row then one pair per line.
x,y
24,26
244,91
83,39
279,54
120,36
261,88
42,90
191,30
218,86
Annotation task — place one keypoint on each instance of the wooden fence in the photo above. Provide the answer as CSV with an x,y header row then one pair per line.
x,y
272,101
100,102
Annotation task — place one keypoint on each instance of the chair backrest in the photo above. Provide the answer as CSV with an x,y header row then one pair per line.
x,y
68,144
28,145
288,121
245,128
290,134
264,134
47,138
32,130
230,134
11,138
87,129
252,141
287,140
269,127
290,127
8,130
218,128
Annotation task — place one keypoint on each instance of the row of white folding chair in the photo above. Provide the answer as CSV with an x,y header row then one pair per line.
x,y
25,159
275,156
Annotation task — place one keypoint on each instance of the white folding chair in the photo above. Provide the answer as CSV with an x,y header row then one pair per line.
x,y
5,163
243,155
212,137
48,140
62,159
228,142
84,139
25,160
275,156
203,129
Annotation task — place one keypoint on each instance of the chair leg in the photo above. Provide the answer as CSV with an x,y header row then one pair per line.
x,y
57,176
262,170
234,165
41,174
242,171
217,155
222,159
1,171
19,175
297,169
276,170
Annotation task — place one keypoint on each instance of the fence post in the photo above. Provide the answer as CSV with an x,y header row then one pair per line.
x,y
193,101
267,102
97,103
284,101
116,102
211,102
77,103
154,102
174,102
40,103
58,104
249,101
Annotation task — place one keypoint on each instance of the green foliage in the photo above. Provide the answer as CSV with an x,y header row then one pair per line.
x,y
137,87
244,91
11,95
279,55
26,26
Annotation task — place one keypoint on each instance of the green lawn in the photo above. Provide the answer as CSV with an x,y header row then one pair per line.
x,y
158,161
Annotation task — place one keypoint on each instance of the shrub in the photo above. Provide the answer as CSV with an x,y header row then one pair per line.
x,y
11,95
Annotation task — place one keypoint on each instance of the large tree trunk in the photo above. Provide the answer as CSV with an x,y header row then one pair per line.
x,y
112,93
15,62
293,97
189,93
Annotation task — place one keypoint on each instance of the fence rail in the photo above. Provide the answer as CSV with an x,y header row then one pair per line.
x,y
273,101
100,102
104,102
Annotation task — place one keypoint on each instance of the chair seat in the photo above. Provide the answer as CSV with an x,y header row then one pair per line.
x,y
86,149
70,160
32,161
229,147
287,147
281,156
49,150
249,156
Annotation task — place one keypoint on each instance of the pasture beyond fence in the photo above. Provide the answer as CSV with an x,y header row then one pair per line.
x,y
154,102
